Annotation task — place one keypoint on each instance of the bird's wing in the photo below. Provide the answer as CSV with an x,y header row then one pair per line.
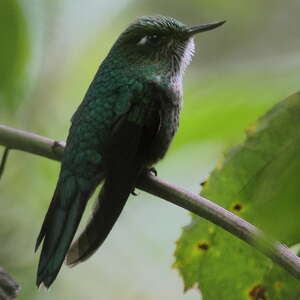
x,y
80,173
79,177
131,135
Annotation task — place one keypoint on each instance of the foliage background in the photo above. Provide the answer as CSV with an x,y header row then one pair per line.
x,y
49,53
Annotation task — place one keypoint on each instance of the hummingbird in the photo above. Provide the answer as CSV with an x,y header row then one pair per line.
x,y
124,125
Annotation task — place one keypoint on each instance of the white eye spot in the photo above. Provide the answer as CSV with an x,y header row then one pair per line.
x,y
143,40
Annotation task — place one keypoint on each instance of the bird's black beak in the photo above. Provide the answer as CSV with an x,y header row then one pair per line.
x,y
205,27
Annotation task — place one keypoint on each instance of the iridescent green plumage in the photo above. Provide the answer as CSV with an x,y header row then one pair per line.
x,y
124,125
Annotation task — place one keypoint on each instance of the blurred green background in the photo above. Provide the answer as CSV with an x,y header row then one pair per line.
x,y
49,53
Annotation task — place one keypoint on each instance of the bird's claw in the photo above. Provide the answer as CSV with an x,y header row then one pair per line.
x,y
134,193
152,171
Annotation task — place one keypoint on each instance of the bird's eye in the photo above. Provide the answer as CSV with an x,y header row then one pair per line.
x,y
152,40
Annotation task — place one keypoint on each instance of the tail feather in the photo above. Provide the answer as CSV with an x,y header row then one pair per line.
x,y
46,222
111,200
51,261
59,227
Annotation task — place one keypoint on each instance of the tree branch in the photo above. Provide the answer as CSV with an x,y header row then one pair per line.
x,y
20,140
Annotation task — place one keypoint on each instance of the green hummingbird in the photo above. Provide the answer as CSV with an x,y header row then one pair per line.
x,y
124,125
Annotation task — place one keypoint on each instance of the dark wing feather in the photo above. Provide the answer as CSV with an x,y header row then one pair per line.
x,y
123,161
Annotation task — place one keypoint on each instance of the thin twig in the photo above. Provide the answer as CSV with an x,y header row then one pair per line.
x,y
280,254
3,161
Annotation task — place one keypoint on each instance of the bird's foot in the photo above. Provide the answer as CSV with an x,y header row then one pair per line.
x,y
133,192
152,171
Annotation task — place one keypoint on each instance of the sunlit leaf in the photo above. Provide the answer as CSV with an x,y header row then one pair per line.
x,y
258,180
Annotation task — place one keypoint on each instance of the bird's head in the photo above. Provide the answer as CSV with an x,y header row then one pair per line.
x,y
161,41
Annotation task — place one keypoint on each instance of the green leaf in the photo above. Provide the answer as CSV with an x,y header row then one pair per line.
x,y
259,181
13,52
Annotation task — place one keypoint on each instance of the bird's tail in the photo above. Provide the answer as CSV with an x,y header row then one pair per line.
x,y
59,227
111,200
